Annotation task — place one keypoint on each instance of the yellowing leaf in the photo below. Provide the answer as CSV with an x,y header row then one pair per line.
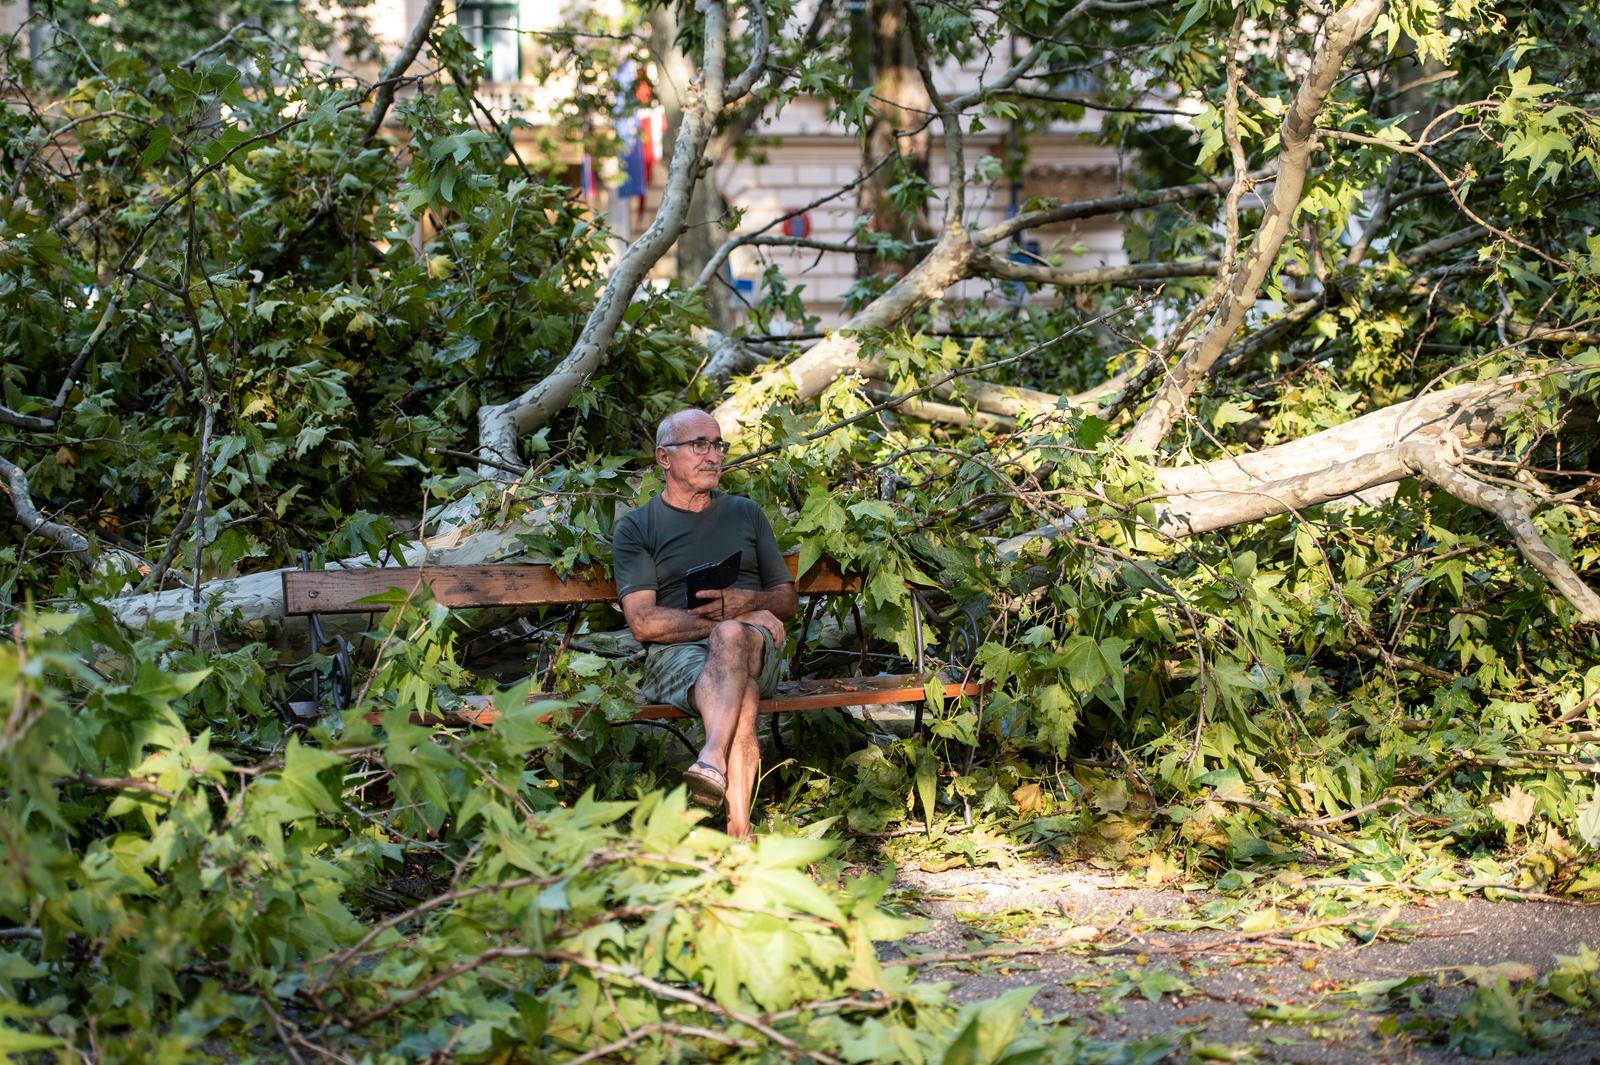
x,y
1029,799
1515,808
1589,820
1514,972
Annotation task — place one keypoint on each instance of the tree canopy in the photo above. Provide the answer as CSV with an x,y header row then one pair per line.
x,y
1276,545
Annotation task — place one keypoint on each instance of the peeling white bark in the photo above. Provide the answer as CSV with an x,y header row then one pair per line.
x,y
949,262
1003,401
1126,274
15,485
1337,462
1354,457
1297,140
1440,462
727,358
1425,437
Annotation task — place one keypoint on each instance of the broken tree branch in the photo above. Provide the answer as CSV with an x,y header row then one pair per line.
x,y
398,66
1439,460
815,369
955,201
1159,359
747,78
1108,205
1297,140
499,425
990,265
15,484
1333,464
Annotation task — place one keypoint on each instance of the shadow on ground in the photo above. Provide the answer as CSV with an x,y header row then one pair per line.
x,y
1430,980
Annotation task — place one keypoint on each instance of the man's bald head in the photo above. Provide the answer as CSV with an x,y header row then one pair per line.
x,y
686,424
689,450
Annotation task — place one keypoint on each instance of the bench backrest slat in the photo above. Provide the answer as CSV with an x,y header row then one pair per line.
x,y
340,591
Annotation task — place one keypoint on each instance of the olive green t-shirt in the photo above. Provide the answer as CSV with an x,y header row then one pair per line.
x,y
656,545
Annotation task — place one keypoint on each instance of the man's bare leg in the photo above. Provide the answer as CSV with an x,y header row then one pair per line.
x,y
733,662
744,763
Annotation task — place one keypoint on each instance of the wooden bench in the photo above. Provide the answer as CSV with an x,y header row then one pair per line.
x,y
312,593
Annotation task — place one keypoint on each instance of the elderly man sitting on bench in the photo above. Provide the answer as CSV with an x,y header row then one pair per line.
x,y
720,655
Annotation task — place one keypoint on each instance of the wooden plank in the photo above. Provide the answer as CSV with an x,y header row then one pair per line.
x,y
339,591
792,697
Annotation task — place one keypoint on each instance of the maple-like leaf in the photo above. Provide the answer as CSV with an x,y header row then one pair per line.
x,y
1515,808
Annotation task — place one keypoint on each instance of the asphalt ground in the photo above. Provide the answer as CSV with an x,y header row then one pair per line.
x,y
1122,963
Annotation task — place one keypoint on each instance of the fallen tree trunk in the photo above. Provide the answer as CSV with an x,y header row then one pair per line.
x,y
1377,449
255,600
1334,464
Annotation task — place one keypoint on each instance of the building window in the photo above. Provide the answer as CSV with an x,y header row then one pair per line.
x,y
493,29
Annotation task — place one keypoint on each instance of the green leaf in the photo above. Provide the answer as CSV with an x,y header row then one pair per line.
x,y
16,967
1092,430
160,141
821,512
886,586
964,1050
792,852
301,764
1589,819
1157,982
225,142
15,1042
810,551
927,785
1197,10
1086,667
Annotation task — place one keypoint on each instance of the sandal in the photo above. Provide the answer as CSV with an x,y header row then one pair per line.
x,y
707,785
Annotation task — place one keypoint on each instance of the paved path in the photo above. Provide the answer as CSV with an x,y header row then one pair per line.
x,y
1127,963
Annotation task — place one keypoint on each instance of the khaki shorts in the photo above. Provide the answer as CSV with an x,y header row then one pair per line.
x,y
671,669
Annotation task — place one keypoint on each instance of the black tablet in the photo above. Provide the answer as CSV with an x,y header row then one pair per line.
x,y
710,577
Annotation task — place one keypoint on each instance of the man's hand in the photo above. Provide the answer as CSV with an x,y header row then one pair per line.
x,y
767,620
721,604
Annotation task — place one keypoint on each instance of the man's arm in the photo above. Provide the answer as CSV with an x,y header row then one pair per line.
x,y
782,601
652,623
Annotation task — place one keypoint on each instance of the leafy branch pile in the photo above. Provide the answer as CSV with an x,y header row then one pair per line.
x,y
1332,686
391,893
237,324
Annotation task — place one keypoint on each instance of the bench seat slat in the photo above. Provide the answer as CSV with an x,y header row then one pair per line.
x,y
504,584
791,696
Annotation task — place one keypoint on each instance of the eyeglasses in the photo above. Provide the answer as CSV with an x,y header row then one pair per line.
x,y
700,445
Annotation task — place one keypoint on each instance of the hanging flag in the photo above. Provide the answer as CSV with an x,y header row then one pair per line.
x,y
652,129
647,146
634,182
641,127
587,183
625,119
